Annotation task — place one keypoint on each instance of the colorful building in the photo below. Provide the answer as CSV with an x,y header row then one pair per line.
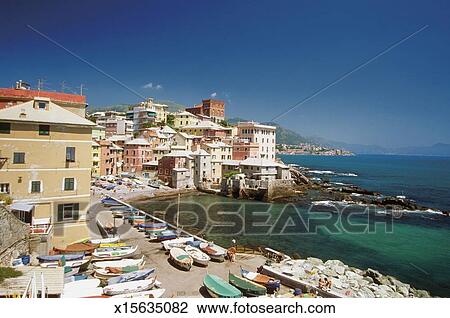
x,y
212,108
263,135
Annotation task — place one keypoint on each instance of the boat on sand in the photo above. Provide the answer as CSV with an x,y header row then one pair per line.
x,y
198,256
180,258
129,277
270,283
119,251
214,251
107,240
120,263
129,287
247,287
154,293
218,288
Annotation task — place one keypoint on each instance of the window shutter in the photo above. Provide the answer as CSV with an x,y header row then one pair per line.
x,y
60,212
76,211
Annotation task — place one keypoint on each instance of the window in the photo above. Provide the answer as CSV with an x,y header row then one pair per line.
x,y
5,128
19,157
44,130
42,105
69,184
35,186
70,154
68,211
4,188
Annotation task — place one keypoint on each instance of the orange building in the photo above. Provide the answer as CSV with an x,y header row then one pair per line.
x,y
213,108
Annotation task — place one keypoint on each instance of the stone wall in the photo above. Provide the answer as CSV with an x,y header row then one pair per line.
x,y
14,237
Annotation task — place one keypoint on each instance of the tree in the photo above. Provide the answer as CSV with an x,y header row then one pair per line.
x,y
170,120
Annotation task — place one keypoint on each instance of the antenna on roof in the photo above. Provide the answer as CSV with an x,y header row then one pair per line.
x,y
81,88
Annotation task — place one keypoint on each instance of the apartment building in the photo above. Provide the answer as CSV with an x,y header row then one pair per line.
x,y
141,117
176,169
160,110
184,118
45,166
263,135
202,167
243,149
206,128
219,152
136,152
95,159
111,158
212,108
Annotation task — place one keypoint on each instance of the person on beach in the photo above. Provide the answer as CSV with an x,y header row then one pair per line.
x,y
231,254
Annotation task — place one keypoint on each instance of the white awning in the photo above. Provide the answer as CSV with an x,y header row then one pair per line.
x,y
22,207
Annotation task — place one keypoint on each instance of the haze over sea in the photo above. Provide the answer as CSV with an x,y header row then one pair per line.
x,y
417,251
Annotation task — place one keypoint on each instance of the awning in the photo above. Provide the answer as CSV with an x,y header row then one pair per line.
x,y
22,207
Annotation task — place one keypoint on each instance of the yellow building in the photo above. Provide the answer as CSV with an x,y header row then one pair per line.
x,y
184,119
96,159
45,167
219,152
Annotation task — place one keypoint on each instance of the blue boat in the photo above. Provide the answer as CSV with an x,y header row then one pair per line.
x,y
153,226
111,202
164,235
56,258
194,243
133,276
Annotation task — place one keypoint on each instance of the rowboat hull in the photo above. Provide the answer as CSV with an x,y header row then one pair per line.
x,y
114,252
129,277
181,259
218,288
119,263
106,240
200,258
247,287
155,293
270,283
181,240
129,287
56,258
82,264
216,253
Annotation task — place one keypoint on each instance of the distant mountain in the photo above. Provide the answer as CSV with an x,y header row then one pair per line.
x,y
173,107
284,135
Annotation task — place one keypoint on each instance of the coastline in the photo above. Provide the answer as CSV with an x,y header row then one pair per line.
x,y
356,282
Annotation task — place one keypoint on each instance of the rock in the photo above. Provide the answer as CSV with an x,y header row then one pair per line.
x,y
339,269
373,273
420,293
368,279
329,272
314,261
334,262
366,293
403,290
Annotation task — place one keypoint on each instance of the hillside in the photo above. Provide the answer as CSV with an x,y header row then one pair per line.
x,y
173,107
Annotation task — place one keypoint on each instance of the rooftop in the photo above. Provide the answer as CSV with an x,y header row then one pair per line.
x,y
138,141
53,114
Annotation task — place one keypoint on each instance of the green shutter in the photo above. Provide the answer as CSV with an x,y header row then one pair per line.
x,y
60,212
76,211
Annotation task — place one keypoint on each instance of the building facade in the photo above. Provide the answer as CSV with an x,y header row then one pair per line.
x,y
263,135
212,108
46,164
136,152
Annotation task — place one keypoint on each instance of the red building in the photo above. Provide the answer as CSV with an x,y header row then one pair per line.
x,y
136,152
213,108
244,149
176,160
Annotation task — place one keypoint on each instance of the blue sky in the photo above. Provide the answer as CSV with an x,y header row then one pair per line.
x,y
261,57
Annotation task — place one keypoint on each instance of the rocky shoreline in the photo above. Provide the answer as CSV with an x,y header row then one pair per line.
x,y
346,281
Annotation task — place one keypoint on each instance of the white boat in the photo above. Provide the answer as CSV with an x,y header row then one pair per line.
x,y
82,288
72,264
214,251
110,272
126,262
119,251
198,256
106,240
130,287
167,245
181,258
154,293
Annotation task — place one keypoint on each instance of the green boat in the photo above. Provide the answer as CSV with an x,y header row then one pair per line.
x,y
218,288
248,288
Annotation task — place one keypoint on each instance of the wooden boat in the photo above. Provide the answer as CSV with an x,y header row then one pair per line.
x,y
247,287
198,256
104,245
168,244
112,272
78,263
121,251
153,226
270,283
77,248
119,263
111,202
107,240
56,258
129,287
82,288
214,251
154,293
129,277
69,271
218,288
164,236
181,258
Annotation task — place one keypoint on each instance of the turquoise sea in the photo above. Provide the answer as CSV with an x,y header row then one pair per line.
x,y
414,248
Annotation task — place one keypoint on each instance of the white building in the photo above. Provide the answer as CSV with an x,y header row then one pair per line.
x,y
202,167
263,135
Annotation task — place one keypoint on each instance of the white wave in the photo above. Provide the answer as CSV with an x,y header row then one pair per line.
x,y
349,174
322,171
324,203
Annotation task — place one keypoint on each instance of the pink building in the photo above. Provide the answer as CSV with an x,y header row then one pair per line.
x,y
243,149
136,152
110,158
